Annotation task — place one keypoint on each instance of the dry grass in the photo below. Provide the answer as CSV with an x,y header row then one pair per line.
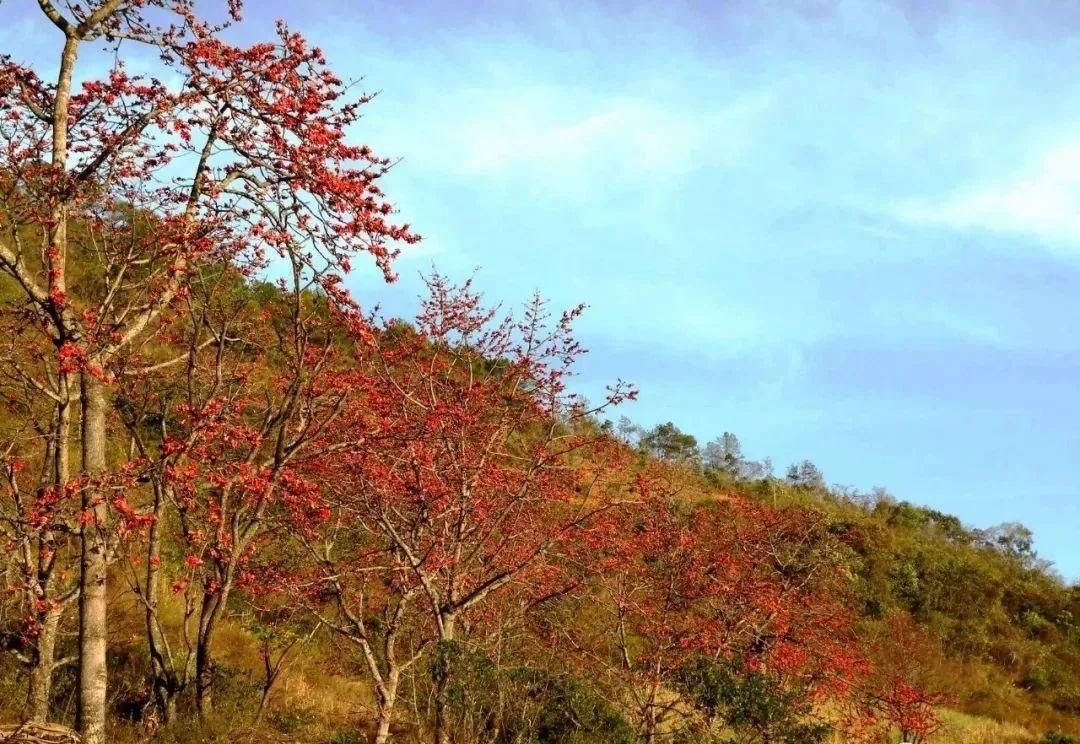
x,y
961,728
320,698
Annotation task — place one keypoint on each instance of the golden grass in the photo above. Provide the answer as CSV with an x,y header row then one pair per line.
x,y
961,728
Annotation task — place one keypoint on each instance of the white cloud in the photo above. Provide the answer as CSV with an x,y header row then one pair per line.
x,y
706,321
574,142
642,136
1042,201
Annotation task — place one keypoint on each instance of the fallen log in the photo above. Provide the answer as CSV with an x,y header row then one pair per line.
x,y
37,733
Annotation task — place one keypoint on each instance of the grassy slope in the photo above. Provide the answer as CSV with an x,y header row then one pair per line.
x,y
319,697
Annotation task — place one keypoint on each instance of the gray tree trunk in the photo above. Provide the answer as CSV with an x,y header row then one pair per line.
x,y
212,606
40,686
93,674
165,681
442,723
387,697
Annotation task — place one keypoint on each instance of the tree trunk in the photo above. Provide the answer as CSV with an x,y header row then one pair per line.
x,y
164,679
166,688
387,697
442,688
40,688
652,721
382,730
93,674
442,729
165,701
204,662
212,605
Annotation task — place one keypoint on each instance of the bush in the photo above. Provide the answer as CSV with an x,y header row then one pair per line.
x,y
289,722
750,702
1037,679
1056,737
346,737
524,705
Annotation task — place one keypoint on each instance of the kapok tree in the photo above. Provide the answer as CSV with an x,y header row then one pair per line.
x,y
36,529
246,157
357,584
224,447
797,599
910,710
39,521
903,693
471,470
730,582
656,590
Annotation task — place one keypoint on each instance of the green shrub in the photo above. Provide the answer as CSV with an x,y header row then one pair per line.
x,y
523,705
750,702
289,722
346,737
1056,737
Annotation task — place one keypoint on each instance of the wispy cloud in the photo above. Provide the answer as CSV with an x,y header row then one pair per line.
x,y
632,136
579,145
1040,201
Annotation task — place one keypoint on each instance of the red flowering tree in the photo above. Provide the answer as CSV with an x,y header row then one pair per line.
x,y
471,472
728,582
225,448
902,695
39,521
910,710
140,184
36,528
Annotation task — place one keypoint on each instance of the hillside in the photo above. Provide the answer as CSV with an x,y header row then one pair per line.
x,y
236,504
972,614
642,587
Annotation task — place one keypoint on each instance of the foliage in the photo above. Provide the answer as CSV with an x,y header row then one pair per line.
x,y
1056,737
418,523
668,443
522,704
752,702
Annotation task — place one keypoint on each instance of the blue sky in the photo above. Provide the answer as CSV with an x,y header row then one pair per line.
x,y
846,231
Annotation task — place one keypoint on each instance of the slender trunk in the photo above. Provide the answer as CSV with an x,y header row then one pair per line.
x,y
382,731
652,721
166,705
40,688
164,679
442,688
212,605
204,662
442,728
61,455
386,698
93,674
264,699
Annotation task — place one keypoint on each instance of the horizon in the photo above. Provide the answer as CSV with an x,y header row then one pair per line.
x,y
846,232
